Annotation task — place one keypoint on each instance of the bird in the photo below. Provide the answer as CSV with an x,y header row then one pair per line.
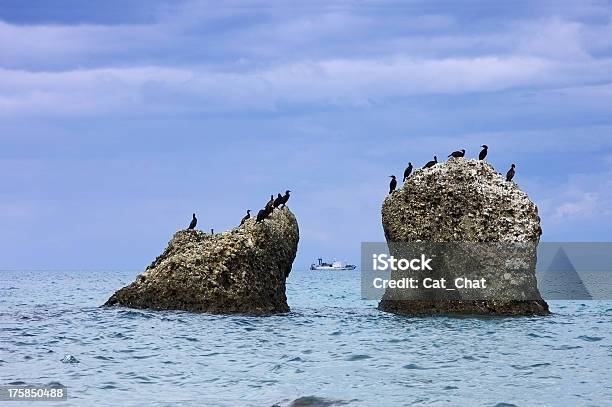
x,y
194,222
278,201
285,198
246,217
392,184
407,171
483,153
261,215
510,173
270,203
431,163
212,231
457,154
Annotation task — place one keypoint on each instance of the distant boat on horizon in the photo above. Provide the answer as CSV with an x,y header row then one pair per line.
x,y
334,266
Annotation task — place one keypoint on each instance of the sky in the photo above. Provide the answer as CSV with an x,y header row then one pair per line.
x,y
118,119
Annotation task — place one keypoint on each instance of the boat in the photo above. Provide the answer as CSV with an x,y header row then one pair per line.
x,y
334,266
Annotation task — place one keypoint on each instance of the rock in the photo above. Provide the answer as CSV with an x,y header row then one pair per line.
x,y
477,225
239,271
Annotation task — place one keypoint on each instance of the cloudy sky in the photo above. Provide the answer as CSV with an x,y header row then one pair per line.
x,y
118,119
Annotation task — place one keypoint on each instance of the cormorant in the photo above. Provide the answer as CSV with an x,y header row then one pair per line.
x,y
278,201
246,217
392,184
510,173
483,153
431,163
285,198
407,171
262,214
270,203
457,154
193,223
212,231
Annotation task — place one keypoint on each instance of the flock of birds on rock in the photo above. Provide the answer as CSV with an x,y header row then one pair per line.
x,y
279,201
455,154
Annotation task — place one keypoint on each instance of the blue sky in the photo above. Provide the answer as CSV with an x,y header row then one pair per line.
x,y
118,119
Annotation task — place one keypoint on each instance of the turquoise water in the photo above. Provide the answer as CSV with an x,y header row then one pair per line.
x,y
332,349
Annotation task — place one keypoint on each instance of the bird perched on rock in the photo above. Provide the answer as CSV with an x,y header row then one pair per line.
x,y
407,171
457,154
246,217
431,163
278,201
262,214
392,184
483,153
510,173
194,222
285,198
270,203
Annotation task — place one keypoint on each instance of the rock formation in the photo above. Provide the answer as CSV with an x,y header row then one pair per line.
x,y
476,225
239,271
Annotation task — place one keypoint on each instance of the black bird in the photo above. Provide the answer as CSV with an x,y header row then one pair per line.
x,y
483,153
510,173
285,198
457,154
392,184
270,203
193,223
431,163
212,231
262,214
278,201
246,217
407,171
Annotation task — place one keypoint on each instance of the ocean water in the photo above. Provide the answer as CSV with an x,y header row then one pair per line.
x,y
332,349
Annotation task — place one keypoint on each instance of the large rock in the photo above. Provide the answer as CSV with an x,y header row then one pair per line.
x,y
476,225
239,271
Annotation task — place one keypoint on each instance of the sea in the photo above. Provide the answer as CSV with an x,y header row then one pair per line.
x,y
332,349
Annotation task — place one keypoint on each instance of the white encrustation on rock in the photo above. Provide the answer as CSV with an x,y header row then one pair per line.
x,y
239,271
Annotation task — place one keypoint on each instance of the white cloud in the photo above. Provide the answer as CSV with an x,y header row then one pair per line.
x,y
241,56
583,205
329,82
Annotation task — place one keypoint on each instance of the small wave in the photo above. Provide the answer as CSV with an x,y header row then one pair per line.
x,y
130,314
505,405
413,366
527,367
314,401
353,358
567,347
590,338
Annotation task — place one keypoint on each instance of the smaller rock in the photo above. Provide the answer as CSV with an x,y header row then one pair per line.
x,y
69,359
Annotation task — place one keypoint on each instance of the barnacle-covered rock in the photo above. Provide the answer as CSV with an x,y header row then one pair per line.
x,y
478,225
239,271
